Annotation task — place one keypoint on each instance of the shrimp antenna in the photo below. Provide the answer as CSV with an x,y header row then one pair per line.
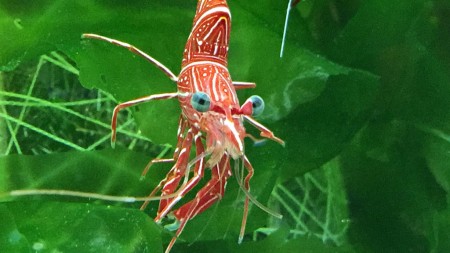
x,y
192,163
251,197
288,11
126,199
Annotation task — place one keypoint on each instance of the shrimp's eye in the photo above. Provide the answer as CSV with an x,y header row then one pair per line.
x,y
200,101
257,105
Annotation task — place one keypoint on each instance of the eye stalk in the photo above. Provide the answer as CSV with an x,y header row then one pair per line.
x,y
200,101
254,106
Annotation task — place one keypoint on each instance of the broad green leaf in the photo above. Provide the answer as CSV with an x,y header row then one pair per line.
x,y
112,172
11,239
376,29
319,130
440,232
89,171
274,242
393,191
397,175
75,227
42,222
437,147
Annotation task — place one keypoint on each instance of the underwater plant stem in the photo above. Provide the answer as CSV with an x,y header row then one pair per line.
x,y
3,131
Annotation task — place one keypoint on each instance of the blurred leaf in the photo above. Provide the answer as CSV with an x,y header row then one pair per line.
x,y
437,152
75,227
440,233
375,29
112,172
11,239
392,193
274,242
319,130
388,178
90,171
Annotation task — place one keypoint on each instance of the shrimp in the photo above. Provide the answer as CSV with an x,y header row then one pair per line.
x,y
211,118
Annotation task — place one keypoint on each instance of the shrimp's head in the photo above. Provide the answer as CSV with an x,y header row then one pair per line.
x,y
222,122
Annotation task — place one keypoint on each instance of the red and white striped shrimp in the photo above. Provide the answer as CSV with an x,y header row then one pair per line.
x,y
211,118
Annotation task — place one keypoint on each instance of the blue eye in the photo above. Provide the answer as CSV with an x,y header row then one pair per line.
x,y
257,105
200,101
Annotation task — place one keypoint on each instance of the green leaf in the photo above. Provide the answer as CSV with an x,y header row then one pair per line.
x,y
437,145
440,232
40,222
376,30
90,171
394,186
319,130
112,172
11,239
274,242
75,227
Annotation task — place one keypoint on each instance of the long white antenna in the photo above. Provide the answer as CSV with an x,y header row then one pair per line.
x,y
252,198
54,192
288,10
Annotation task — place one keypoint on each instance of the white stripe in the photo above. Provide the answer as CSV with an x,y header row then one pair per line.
x,y
194,80
213,28
203,62
230,125
199,134
182,151
215,9
170,181
171,204
214,87
206,203
228,87
193,180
